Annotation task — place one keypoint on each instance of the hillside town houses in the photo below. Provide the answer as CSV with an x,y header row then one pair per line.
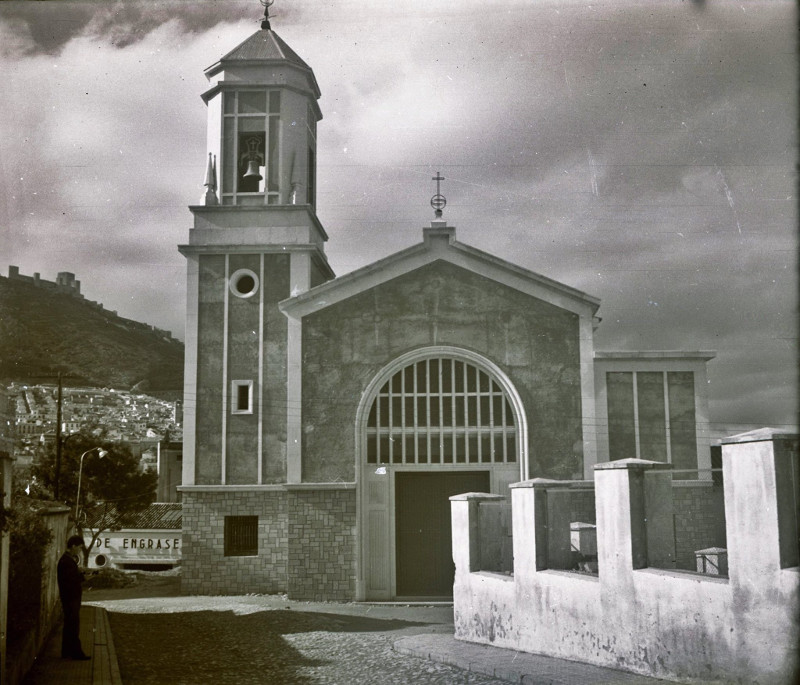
x,y
138,421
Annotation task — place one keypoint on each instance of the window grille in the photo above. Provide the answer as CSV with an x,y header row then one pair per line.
x,y
441,411
241,536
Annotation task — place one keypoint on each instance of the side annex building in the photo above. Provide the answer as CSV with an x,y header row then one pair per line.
x,y
328,419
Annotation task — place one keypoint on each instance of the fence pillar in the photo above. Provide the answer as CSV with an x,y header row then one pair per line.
x,y
761,495
761,483
466,529
530,525
635,527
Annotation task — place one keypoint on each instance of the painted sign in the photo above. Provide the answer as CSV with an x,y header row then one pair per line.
x,y
121,548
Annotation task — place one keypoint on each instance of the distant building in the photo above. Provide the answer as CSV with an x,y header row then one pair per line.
x,y
150,539
67,284
327,420
65,281
170,470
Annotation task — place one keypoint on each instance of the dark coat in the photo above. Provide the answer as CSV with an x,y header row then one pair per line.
x,y
70,579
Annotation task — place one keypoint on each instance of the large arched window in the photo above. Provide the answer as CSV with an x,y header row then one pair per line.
x,y
441,410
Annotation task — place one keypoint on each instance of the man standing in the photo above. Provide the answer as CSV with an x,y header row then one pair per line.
x,y
70,589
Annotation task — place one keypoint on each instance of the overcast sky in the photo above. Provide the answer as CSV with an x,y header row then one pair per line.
x,y
643,152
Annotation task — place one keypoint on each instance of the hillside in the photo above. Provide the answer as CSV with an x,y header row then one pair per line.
x,y
43,332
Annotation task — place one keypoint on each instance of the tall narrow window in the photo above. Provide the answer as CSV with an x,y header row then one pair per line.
x,y
621,417
651,415
683,426
250,147
242,397
441,411
312,175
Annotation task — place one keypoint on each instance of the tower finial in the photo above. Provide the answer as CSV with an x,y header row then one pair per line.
x,y
438,201
210,197
266,4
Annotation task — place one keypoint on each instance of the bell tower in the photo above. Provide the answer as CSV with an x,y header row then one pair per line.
x,y
262,125
255,241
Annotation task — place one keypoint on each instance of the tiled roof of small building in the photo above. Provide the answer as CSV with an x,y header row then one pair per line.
x,y
157,516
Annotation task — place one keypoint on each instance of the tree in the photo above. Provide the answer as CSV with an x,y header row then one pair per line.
x,y
111,488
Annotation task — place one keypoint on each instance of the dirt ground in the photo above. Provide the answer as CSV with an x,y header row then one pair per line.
x,y
164,584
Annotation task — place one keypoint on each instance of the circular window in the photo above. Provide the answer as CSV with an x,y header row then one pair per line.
x,y
244,283
100,560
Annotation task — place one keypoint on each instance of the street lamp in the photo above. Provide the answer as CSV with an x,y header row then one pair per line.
x,y
101,453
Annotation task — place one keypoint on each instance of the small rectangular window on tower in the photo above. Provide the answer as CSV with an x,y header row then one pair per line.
x,y
241,397
312,178
241,536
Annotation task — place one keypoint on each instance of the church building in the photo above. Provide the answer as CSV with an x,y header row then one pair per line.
x,y
328,419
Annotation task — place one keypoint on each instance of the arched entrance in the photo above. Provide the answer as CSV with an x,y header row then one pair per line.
x,y
436,422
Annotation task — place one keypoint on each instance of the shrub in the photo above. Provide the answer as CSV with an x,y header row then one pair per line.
x,y
110,578
29,539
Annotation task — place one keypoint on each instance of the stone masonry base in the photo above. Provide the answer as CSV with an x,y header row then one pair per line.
x,y
306,542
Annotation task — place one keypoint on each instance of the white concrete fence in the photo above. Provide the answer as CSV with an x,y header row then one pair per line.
x,y
633,616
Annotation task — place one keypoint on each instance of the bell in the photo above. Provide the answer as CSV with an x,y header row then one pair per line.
x,y
252,170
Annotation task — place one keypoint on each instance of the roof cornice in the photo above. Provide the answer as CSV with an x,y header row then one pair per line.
x,y
264,47
439,246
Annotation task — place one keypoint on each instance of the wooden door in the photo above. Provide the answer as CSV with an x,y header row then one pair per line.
x,y
423,537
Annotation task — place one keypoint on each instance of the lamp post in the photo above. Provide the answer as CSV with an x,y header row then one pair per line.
x,y
101,453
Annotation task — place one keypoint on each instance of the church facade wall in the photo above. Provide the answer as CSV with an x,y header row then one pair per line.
x,y
322,542
242,364
276,287
206,569
210,316
229,338
534,343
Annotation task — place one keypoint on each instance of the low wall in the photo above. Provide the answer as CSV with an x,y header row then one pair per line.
x,y
633,616
699,519
24,652
6,470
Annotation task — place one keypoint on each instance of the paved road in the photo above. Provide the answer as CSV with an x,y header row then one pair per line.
x,y
221,640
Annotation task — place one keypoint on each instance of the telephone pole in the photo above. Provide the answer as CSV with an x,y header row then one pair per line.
x,y
58,440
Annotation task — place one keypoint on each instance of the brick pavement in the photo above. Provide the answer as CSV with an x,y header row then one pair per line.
x,y
102,669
